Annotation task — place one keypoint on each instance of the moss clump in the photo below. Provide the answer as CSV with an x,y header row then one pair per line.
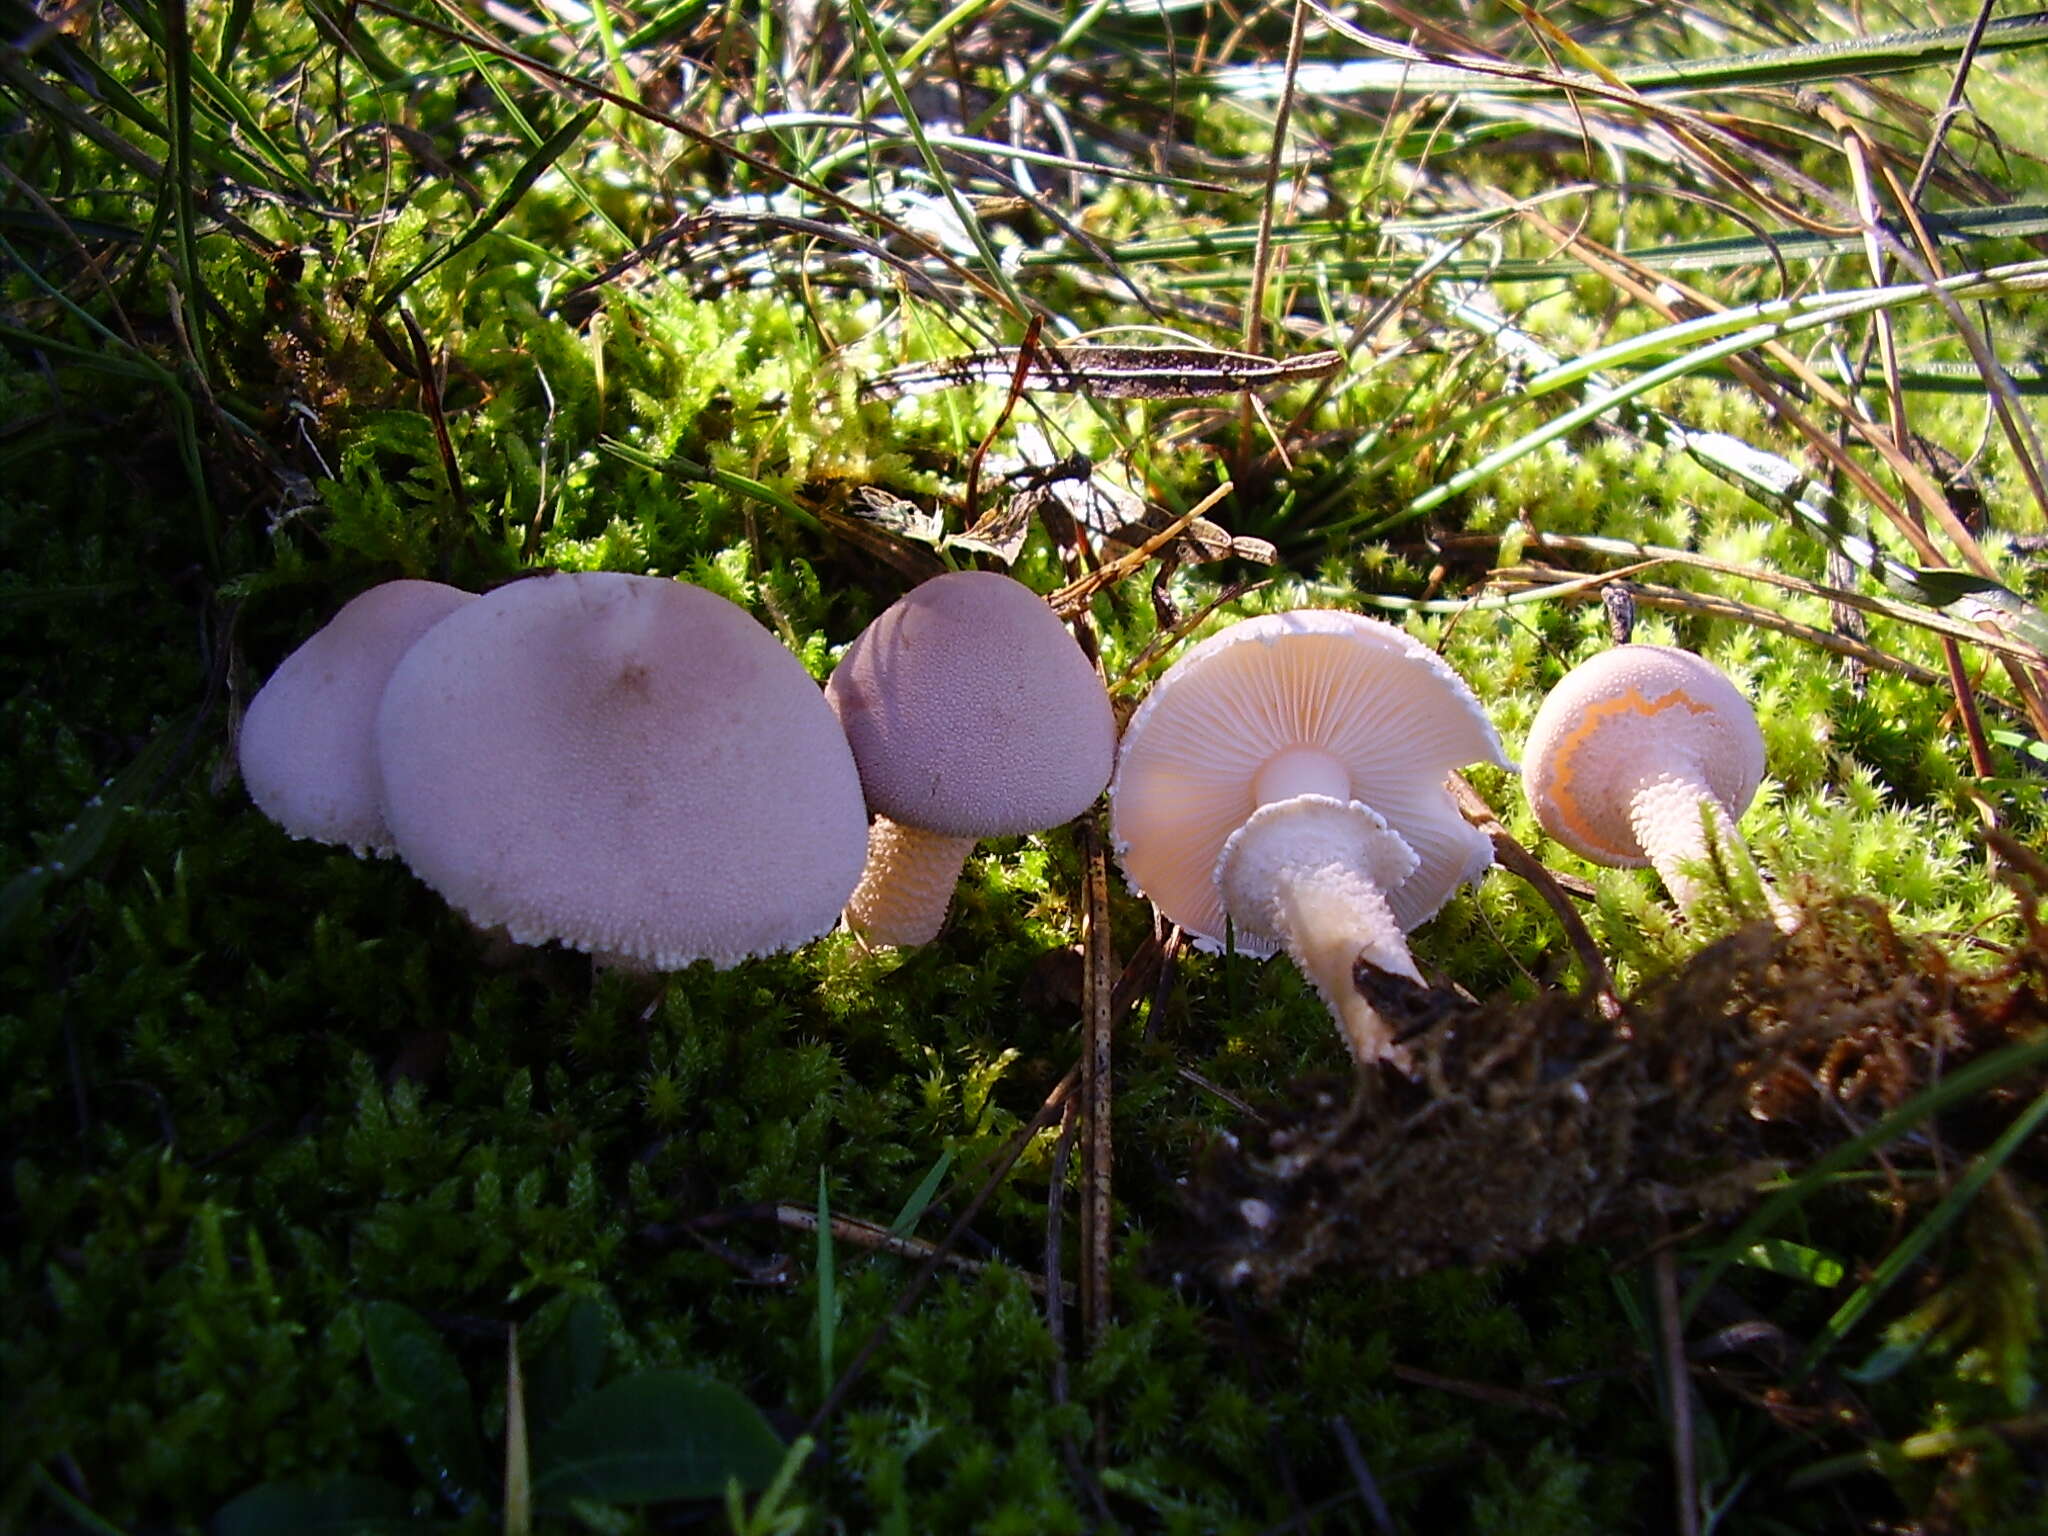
x,y
1547,1121
299,299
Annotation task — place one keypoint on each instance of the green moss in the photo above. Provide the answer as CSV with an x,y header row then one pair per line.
x,y
255,1088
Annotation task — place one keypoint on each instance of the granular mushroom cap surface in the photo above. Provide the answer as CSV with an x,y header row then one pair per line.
x,y
972,711
305,748
627,764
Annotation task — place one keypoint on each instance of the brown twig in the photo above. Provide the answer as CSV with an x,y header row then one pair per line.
x,y
1643,557
1244,1107
1262,255
1479,1391
1026,351
1055,1310
1361,1476
1055,1289
1952,107
1859,152
877,1238
1678,1382
1075,596
1517,860
1098,986
430,401
1576,586
1159,644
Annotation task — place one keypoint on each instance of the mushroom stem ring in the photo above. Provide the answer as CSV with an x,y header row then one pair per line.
x,y
1313,872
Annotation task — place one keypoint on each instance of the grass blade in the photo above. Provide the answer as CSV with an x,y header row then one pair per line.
x,y
1978,1077
530,171
179,179
828,1298
921,1198
1937,1221
1411,72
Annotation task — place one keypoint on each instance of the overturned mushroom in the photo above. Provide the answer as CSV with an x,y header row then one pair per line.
x,y
305,748
972,714
629,765
1636,754
1287,775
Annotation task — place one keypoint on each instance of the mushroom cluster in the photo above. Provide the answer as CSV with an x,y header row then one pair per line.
x,y
1286,779
625,764
634,767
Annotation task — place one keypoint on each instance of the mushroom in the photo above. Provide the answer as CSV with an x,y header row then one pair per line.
x,y
972,714
305,747
627,764
1636,754
1288,776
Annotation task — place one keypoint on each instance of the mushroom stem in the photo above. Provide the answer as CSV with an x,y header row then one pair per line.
x,y
1672,816
1301,771
1328,920
1311,875
907,884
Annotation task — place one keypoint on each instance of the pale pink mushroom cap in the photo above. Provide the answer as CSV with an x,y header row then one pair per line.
x,y
1623,719
972,712
306,751
627,764
1222,733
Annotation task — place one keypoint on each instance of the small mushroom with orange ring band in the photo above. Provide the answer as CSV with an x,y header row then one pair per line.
x,y
1637,754
1287,776
972,713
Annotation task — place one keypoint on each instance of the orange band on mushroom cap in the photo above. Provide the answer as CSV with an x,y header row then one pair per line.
x,y
1596,717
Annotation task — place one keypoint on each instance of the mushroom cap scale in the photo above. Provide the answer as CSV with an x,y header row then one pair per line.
x,y
1390,718
626,764
1620,721
972,712
305,746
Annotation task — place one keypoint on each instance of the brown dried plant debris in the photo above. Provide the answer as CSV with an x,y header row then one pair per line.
x,y
1544,1122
